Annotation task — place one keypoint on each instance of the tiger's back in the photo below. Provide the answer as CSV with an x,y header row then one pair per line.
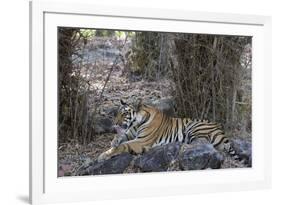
x,y
161,129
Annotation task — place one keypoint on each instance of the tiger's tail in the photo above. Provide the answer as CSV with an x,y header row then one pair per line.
x,y
221,142
228,148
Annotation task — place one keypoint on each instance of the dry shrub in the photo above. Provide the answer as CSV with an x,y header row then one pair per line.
x,y
212,75
75,117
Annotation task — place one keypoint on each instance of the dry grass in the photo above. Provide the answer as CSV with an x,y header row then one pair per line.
x,y
71,156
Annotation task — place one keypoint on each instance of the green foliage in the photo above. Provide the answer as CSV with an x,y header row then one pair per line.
x,y
104,33
87,33
123,34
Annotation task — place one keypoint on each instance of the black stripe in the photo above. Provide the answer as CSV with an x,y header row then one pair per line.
x,y
198,124
167,129
199,136
156,129
205,128
223,137
176,139
215,136
144,121
211,130
182,128
127,137
171,131
132,136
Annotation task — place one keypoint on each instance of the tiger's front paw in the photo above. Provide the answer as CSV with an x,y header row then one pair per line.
x,y
103,156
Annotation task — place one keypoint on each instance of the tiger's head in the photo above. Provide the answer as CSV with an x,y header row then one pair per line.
x,y
126,114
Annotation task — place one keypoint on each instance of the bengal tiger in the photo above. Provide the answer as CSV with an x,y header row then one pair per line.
x,y
141,127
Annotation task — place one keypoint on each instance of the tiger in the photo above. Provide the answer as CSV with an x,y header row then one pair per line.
x,y
141,127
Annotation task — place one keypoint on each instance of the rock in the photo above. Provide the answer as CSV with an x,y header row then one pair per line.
x,y
158,158
112,111
115,165
243,149
103,125
170,157
64,169
199,156
230,162
166,105
108,44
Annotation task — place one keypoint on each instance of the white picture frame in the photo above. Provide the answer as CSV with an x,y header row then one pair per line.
x,y
46,187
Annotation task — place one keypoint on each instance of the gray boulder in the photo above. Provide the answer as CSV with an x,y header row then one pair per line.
x,y
102,125
172,157
112,111
199,156
158,158
115,165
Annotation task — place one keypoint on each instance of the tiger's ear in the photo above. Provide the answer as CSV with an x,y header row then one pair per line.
x,y
138,104
122,102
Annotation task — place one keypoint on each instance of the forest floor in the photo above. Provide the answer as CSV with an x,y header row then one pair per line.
x,y
71,156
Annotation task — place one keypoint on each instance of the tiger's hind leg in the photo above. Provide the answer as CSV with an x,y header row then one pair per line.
x,y
136,146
